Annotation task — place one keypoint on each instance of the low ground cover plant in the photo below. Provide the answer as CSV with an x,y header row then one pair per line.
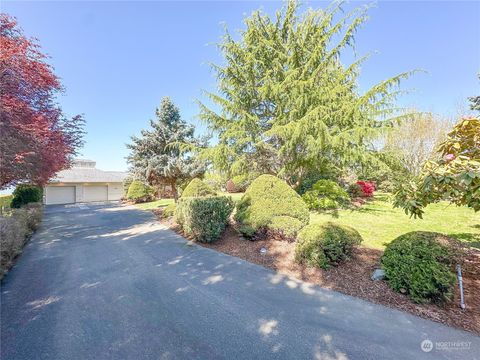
x,y
324,195
267,198
421,265
197,188
16,227
25,194
139,192
204,218
324,245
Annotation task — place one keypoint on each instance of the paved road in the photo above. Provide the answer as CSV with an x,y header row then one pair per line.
x,y
107,282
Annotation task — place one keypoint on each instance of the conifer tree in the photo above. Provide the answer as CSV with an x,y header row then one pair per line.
x,y
287,104
160,155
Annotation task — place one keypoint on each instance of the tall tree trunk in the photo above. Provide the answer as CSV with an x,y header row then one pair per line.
x,y
175,192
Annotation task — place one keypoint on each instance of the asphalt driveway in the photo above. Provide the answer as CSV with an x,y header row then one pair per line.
x,y
108,282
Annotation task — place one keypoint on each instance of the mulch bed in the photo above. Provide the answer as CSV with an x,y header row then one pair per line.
x,y
353,277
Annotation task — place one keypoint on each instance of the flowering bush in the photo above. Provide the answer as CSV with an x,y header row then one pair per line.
x,y
454,177
367,188
361,189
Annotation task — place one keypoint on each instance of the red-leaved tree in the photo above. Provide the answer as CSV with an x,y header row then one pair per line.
x,y
37,140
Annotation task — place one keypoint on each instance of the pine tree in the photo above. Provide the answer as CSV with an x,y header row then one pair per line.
x,y
288,105
160,155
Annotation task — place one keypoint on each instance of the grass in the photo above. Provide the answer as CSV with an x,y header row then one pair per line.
x,y
154,204
5,200
164,202
379,223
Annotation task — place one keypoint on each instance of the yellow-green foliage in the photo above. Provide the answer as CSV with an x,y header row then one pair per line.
x,y
197,188
266,198
323,245
139,192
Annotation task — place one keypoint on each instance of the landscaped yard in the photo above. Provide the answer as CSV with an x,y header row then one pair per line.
x,y
379,223
164,202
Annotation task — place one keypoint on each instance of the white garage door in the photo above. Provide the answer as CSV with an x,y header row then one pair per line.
x,y
95,193
60,195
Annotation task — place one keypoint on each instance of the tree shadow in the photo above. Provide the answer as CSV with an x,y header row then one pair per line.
x,y
472,239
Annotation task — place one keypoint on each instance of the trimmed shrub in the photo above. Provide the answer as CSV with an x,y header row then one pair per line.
x,y
204,218
323,245
285,227
169,210
197,188
230,186
420,264
325,194
24,194
139,192
15,229
266,198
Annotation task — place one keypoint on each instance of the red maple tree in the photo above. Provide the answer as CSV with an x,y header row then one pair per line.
x,y
36,138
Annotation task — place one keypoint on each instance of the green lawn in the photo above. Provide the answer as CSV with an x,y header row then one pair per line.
x,y
164,202
154,204
379,223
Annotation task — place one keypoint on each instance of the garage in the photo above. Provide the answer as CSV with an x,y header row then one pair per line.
x,y
60,195
95,193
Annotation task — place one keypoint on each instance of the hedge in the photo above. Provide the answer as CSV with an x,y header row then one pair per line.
x,y
25,194
421,265
204,218
323,245
266,198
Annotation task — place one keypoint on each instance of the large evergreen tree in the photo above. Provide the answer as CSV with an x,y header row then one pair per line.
x,y
161,156
287,103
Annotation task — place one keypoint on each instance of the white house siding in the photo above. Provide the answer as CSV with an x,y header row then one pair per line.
x,y
114,191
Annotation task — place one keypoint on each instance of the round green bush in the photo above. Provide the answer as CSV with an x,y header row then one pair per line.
x,y
139,192
197,188
25,194
324,195
266,198
169,210
420,264
323,245
286,226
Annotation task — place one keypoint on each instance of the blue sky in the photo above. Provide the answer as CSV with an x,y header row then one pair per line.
x,y
118,59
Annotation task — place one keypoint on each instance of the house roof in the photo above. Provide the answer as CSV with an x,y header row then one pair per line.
x,y
85,171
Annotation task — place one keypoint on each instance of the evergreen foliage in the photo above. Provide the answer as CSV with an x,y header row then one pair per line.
x,y
266,198
25,194
323,245
197,188
139,192
163,154
420,264
287,103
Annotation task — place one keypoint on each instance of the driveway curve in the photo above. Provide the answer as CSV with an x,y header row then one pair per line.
x,y
109,282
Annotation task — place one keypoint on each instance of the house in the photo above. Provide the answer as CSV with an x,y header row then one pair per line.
x,y
83,182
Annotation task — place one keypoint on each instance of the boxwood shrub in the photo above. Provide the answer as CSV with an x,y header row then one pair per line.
x,y
421,265
266,198
25,194
323,245
139,192
204,218
197,188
